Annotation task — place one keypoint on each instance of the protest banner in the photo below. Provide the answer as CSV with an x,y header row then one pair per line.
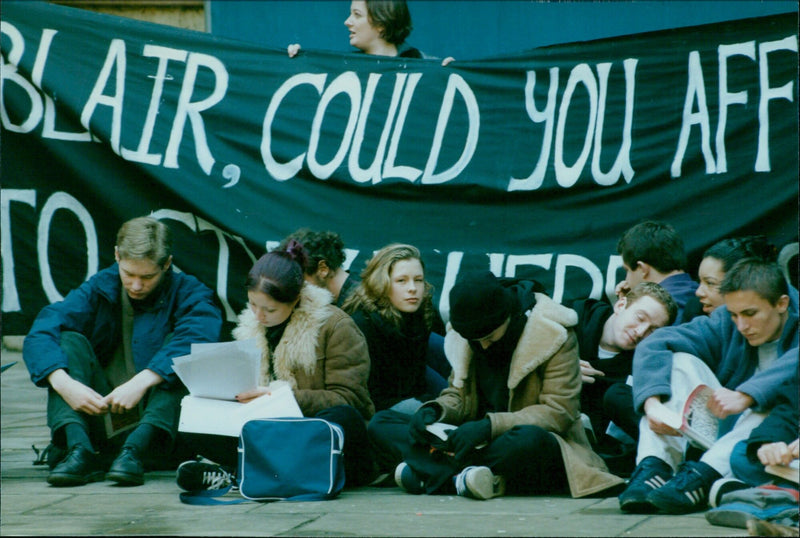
x,y
530,164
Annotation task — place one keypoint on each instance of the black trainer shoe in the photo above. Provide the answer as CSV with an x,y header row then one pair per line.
x,y
202,474
127,469
649,475
79,467
687,491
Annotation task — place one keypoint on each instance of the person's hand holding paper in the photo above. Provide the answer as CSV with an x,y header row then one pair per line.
x,y
250,395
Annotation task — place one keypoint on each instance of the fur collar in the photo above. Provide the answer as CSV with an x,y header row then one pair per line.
x,y
298,346
544,333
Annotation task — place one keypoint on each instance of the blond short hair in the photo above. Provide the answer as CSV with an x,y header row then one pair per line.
x,y
145,238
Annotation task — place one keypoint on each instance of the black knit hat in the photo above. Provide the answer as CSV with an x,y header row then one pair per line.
x,y
478,304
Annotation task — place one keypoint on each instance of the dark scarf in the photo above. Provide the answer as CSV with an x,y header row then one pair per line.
x,y
275,333
492,365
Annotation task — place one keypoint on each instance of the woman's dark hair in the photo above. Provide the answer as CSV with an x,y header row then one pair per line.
x,y
318,246
731,250
392,16
279,273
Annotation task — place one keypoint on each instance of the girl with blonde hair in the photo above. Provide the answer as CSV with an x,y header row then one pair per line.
x,y
393,307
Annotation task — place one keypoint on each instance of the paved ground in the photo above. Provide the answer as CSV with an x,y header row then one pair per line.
x,y
29,506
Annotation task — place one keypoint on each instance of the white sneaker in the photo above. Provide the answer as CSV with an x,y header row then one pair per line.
x,y
407,479
479,483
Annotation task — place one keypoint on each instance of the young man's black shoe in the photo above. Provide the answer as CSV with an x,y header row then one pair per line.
x,y
127,469
79,467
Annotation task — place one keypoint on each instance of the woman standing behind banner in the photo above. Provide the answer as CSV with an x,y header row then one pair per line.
x,y
378,27
312,345
393,307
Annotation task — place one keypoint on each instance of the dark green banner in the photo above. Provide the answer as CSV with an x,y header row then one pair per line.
x,y
529,165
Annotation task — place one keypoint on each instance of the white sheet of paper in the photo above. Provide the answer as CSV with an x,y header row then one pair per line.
x,y
440,429
220,370
204,415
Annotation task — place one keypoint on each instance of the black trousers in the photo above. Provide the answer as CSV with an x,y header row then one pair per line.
x,y
529,457
359,465
618,407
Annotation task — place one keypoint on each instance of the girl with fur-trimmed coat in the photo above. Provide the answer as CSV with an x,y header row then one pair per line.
x,y
322,354
309,343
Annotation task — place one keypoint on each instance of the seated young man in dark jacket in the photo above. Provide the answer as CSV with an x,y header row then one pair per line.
x,y
107,349
324,266
607,336
653,251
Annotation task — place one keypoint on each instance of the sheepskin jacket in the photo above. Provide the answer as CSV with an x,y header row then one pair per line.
x,y
544,385
322,354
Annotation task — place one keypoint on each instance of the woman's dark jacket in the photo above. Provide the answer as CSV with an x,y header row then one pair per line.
x,y
398,357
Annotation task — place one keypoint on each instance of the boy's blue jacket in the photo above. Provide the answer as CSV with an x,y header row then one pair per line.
x,y
716,341
181,305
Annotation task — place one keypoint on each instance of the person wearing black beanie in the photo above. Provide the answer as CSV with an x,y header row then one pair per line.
x,y
514,393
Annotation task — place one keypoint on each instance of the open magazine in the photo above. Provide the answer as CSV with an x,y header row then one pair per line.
x,y
215,374
696,423
440,431
222,417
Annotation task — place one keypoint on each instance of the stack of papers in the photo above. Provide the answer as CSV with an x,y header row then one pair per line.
x,y
220,417
214,375
221,370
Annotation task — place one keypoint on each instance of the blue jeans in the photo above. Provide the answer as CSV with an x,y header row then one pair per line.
x,y
407,407
436,357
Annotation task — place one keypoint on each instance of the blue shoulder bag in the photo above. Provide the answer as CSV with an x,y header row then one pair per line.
x,y
284,459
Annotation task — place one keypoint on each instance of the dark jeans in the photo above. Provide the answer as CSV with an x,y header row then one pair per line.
x,y
434,382
437,359
359,466
618,407
161,404
529,457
